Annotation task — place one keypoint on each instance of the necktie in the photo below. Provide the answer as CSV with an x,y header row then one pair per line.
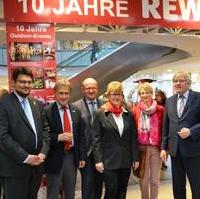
x,y
92,110
181,105
27,110
67,127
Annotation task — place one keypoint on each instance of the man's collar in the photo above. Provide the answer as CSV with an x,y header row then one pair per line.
x,y
186,94
89,101
19,97
60,106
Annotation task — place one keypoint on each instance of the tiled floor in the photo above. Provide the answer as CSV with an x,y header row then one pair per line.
x,y
134,191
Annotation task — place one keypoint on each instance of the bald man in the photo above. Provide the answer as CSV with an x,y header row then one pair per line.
x,y
91,178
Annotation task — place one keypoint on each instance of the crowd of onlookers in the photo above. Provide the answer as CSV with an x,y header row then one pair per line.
x,y
105,139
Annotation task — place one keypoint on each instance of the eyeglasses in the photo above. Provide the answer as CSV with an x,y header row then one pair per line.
x,y
116,94
179,81
90,88
24,82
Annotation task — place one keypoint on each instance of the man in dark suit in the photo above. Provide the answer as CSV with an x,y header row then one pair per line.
x,y
24,139
67,149
91,179
181,136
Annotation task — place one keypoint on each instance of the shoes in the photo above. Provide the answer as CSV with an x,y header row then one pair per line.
x,y
164,167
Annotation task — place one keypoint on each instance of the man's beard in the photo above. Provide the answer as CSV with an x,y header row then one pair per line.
x,y
23,95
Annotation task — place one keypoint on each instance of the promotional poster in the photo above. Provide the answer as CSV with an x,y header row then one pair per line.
x,y
33,46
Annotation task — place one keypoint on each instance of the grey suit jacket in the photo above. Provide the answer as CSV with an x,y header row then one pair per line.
x,y
84,112
172,124
17,138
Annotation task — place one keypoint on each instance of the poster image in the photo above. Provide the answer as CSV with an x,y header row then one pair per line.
x,y
33,46
25,52
49,51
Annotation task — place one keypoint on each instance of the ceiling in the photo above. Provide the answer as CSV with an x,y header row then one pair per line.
x,y
186,40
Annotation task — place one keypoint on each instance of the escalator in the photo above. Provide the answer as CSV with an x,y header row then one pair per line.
x,y
123,62
82,58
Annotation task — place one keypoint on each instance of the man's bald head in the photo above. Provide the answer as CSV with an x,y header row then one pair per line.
x,y
89,88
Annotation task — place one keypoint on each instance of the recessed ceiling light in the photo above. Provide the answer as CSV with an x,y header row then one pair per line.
x,y
169,70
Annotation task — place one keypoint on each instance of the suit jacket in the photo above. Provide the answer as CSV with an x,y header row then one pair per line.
x,y
111,149
17,138
56,153
190,118
84,112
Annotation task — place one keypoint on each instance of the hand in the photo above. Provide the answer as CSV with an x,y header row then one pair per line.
x,y
163,155
99,167
136,165
66,136
34,160
41,156
184,133
81,164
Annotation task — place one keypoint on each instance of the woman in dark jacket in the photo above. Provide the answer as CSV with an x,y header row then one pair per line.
x,y
115,143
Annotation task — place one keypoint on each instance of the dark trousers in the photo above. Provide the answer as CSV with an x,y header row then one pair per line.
x,y
66,177
182,166
22,187
92,180
116,182
2,193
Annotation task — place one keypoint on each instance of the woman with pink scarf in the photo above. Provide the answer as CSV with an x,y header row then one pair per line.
x,y
149,116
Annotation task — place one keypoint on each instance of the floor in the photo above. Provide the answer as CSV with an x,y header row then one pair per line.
x,y
134,191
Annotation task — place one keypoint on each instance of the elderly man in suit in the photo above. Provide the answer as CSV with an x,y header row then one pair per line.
x,y
67,149
181,136
91,179
24,140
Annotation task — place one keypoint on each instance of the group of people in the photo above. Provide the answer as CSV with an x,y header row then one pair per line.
x,y
101,139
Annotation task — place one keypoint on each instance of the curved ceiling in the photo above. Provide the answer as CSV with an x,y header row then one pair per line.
x,y
187,41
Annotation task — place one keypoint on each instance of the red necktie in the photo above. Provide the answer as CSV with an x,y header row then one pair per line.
x,y
67,127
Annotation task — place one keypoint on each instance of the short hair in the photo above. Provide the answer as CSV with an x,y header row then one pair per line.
x,y
62,83
89,80
115,87
21,71
3,92
185,75
145,86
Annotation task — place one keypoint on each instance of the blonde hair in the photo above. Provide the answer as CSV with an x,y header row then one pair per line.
x,y
62,83
185,75
146,87
115,87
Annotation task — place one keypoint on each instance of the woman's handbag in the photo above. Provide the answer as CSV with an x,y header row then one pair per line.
x,y
139,172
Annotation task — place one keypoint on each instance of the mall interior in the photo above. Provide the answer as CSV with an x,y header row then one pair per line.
x,y
127,54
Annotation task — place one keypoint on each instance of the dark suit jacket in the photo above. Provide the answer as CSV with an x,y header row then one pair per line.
x,y
56,153
17,138
111,149
84,112
190,118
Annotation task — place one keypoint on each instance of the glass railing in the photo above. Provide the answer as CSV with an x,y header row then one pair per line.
x,y
86,56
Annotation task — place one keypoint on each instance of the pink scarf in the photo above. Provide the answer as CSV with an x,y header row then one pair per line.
x,y
148,126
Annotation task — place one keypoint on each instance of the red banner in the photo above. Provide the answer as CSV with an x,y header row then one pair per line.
x,y
33,46
167,13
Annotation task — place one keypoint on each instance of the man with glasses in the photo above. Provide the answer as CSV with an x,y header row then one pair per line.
x,y
91,179
181,136
24,140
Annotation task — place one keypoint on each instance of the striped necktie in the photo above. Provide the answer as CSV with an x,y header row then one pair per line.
x,y
180,105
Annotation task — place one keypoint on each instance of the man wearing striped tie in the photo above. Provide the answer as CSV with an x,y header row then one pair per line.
x,y
181,136
92,180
